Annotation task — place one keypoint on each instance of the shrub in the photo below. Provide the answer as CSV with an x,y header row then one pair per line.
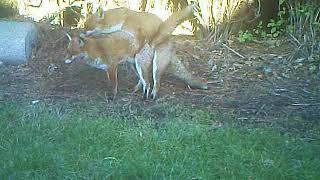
x,y
8,8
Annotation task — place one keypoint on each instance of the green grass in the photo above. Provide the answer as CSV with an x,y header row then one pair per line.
x,y
41,142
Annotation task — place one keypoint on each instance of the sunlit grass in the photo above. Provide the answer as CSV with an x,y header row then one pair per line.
x,y
43,142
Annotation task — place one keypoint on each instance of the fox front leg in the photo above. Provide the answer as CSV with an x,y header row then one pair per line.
x,y
138,86
113,76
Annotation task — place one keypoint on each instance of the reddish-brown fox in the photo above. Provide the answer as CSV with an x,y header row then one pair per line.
x,y
137,37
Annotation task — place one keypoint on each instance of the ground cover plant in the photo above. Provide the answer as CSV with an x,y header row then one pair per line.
x,y
43,142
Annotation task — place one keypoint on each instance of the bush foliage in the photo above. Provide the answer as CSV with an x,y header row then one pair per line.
x,y
8,8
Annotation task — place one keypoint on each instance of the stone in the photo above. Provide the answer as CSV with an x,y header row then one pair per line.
x,y
16,41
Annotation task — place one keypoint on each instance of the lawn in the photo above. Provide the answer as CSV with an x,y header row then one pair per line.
x,y
50,142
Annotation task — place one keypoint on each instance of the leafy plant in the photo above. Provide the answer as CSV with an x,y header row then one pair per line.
x,y
276,28
304,29
245,36
260,32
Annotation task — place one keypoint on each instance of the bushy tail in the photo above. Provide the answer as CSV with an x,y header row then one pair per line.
x,y
169,25
179,70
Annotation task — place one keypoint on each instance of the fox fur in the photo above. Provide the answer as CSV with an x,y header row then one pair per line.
x,y
138,37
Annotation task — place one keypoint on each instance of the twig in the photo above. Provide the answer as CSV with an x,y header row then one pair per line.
x,y
281,95
210,36
189,87
192,55
242,118
309,139
205,97
260,110
235,52
308,92
301,104
60,38
295,39
62,96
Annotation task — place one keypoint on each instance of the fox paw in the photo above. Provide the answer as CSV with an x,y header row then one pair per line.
x,y
146,91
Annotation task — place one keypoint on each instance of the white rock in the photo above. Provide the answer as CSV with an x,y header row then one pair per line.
x,y
16,41
35,102
67,61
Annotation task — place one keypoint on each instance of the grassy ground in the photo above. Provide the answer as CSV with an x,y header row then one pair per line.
x,y
57,142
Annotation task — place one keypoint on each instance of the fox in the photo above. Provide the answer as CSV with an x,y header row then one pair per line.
x,y
119,37
143,25
164,58
167,56
108,52
104,53
147,31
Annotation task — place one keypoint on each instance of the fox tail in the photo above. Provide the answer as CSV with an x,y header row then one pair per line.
x,y
169,25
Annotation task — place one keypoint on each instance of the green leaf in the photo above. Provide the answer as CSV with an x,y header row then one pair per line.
x,y
281,2
273,30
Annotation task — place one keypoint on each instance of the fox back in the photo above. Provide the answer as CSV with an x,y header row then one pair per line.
x,y
144,26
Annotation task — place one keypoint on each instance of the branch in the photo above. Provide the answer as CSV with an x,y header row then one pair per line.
x,y
235,52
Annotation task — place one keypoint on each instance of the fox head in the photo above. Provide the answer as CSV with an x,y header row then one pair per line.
x,y
76,52
75,47
75,44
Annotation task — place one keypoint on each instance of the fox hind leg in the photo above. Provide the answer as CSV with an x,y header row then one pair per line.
x,y
143,64
160,62
143,78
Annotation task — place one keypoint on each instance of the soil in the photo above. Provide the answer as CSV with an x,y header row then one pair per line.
x,y
254,88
